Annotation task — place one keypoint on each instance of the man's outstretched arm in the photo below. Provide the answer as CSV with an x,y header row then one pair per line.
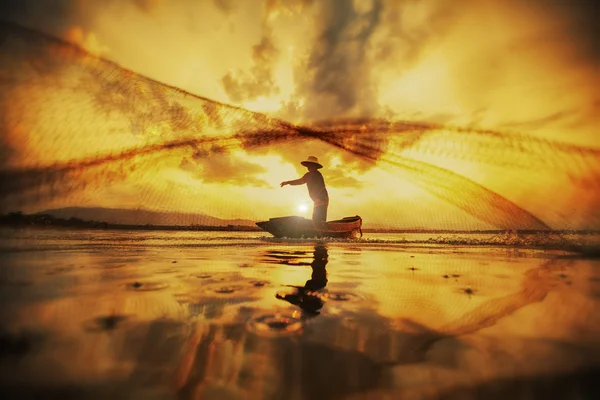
x,y
295,182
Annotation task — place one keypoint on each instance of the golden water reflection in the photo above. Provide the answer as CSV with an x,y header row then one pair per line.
x,y
352,322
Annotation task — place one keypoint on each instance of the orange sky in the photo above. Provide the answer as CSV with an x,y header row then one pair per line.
x,y
512,67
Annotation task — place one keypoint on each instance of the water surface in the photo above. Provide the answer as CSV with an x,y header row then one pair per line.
x,y
91,314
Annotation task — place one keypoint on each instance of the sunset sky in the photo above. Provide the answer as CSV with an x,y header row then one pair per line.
x,y
520,78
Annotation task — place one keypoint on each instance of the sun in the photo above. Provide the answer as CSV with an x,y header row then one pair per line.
x,y
302,208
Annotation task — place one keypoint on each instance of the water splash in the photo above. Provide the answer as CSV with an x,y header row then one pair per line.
x,y
275,325
139,286
54,96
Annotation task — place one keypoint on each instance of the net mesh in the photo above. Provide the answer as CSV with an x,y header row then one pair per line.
x,y
55,97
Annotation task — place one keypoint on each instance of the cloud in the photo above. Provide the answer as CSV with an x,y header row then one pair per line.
x,y
339,178
352,42
407,28
360,47
259,81
248,85
54,16
580,23
218,165
335,80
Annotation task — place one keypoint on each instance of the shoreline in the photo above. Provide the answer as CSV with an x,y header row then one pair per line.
x,y
45,221
246,228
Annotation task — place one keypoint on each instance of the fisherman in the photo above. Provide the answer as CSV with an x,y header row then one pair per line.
x,y
316,188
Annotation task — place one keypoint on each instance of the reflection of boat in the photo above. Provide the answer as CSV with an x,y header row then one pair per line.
x,y
298,227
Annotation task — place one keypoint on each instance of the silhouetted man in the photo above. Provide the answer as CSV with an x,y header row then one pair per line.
x,y
316,188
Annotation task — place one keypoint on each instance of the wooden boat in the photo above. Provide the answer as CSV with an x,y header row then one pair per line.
x,y
299,227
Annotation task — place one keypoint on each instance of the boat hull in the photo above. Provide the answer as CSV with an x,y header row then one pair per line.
x,y
298,227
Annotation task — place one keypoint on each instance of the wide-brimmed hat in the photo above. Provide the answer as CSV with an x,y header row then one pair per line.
x,y
311,160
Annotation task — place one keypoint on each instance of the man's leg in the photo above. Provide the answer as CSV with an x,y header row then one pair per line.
x,y
320,213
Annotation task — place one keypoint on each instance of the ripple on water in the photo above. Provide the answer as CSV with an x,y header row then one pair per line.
x,y
342,296
259,283
217,276
145,286
114,263
167,271
227,289
202,276
275,325
109,265
60,270
104,323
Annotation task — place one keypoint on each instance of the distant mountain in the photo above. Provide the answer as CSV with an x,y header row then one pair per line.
x,y
142,217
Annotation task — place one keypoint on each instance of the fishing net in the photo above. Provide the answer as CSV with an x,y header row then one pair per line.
x,y
55,97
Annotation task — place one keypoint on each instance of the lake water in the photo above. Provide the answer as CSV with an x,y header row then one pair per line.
x,y
240,315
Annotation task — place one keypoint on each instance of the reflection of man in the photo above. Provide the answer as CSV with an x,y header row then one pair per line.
x,y
305,297
316,188
318,278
